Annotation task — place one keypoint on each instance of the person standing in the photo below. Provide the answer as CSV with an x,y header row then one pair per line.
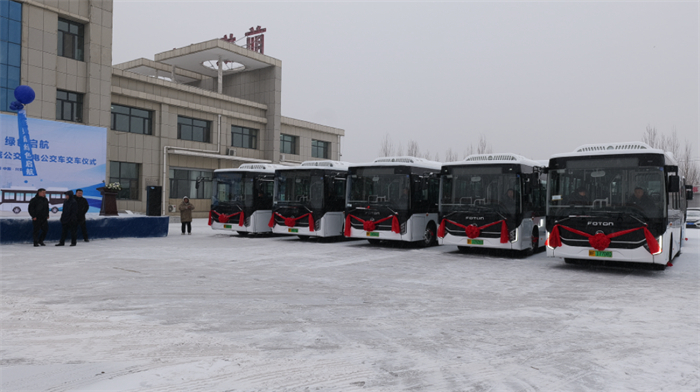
x,y
39,211
83,208
69,220
186,215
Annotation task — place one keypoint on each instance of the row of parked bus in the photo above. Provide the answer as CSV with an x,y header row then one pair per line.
x,y
622,202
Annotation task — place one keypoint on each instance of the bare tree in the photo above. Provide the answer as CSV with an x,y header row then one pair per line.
x,y
469,151
483,147
412,149
399,148
386,147
450,156
651,137
687,167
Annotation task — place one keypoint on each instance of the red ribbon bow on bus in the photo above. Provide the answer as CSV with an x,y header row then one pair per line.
x,y
473,231
291,222
223,218
601,241
371,225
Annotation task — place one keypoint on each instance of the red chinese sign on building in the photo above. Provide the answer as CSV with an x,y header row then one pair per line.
x,y
255,39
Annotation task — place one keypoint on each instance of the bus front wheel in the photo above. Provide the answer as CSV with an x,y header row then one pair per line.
x,y
16,210
535,242
429,238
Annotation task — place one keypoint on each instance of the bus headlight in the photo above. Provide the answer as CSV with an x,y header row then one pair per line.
x,y
546,241
513,235
661,246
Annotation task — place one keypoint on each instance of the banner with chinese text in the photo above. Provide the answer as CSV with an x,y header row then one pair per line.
x,y
64,156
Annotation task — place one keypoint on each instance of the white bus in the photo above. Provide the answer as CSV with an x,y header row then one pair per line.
x,y
16,199
309,199
493,201
615,203
242,198
393,199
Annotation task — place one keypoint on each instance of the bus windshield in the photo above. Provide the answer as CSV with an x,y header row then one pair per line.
x,y
481,188
299,187
379,186
233,189
606,185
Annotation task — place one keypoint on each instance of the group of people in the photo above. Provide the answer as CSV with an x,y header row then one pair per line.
x,y
72,217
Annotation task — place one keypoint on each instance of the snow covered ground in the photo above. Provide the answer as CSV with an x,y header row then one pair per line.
x,y
214,312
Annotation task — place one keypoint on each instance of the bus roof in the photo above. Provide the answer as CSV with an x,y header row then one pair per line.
x,y
252,167
497,159
401,161
323,165
622,148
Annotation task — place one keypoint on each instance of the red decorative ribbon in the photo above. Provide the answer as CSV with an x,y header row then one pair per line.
x,y
601,241
473,231
371,225
223,218
291,222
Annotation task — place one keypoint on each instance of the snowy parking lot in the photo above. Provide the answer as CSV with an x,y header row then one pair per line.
x,y
218,312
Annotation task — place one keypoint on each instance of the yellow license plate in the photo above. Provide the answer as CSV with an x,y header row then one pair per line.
x,y
599,253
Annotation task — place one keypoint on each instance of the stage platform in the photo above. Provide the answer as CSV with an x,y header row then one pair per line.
x,y
19,230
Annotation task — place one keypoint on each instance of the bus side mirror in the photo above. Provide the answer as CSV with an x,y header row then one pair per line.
x,y
673,184
689,192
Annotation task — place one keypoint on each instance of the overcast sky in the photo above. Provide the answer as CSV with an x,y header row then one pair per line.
x,y
534,78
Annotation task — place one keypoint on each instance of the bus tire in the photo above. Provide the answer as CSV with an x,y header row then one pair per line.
x,y
16,210
534,242
429,238
54,210
243,233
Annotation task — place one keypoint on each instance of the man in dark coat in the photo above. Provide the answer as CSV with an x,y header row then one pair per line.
x,y
83,208
69,220
640,200
39,211
579,197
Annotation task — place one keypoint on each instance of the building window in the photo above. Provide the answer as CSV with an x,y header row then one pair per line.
x,y
127,119
69,106
288,144
244,137
10,51
320,149
195,184
70,39
127,175
193,129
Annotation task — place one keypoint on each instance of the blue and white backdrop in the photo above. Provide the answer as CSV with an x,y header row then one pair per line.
x,y
64,156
